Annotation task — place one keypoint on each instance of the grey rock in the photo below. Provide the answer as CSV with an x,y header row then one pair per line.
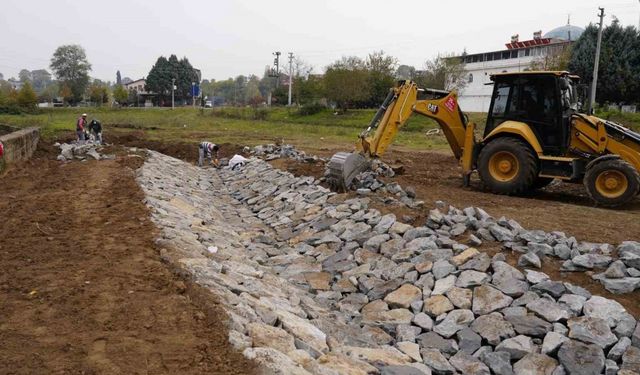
x,y
581,358
529,259
468,340
621,286
385,223
610,367
591,261
405,332
549,310
431,340
517,347
460,297
480,263
526,298
529,325
423,321
514,311
442,268
535,364
414,233
498,362
553,288
540,249
421,243
508,279
560,328
474,241
454,322
562,251
442,286
402,370
500,233
635,339
373,243
436,361
552,342
493,328
574,289
616,270
572,302
535,277
631,360
487,299
471,278
604,308
468,365
625,326
616,352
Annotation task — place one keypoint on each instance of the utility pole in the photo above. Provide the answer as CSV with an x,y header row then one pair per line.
x,y
173,89
594,83
276,62
193,93
290,75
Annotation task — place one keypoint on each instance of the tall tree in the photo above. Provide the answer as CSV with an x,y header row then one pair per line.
x,y
120,94
98,92
118,78
71,67
619,62
24,75
405,72
381,70
159,79
444,72
40,79
346,82
27,98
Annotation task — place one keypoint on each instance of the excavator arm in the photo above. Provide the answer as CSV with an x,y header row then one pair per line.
x,y
401,103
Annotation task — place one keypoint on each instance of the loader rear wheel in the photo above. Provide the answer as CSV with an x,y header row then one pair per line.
x,y
612,182
507,166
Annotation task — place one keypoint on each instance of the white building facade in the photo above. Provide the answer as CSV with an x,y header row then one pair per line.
x,y
518,56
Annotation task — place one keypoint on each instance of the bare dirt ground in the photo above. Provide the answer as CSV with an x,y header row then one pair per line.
x,y
83,288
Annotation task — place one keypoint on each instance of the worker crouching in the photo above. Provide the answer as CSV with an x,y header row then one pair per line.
x,y
208,150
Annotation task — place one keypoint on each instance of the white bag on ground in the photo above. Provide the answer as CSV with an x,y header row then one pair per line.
x,y
237,161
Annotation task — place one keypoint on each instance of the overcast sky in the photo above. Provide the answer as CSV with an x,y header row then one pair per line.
x,y
228,38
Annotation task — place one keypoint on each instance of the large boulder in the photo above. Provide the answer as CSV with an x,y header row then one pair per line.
x,y
581,359
487,299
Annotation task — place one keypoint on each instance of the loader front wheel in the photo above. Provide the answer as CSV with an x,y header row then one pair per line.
x,y
612,182
507,166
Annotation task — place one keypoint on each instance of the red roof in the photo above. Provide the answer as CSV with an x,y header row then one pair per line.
x,y
528,43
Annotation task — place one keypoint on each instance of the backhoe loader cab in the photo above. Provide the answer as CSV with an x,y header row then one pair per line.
x,y
544,101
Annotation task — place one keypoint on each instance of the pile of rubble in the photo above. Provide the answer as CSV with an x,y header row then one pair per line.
x,y
618,276
278,151
80,151
313,287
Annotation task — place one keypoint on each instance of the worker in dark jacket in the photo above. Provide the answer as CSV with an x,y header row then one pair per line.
x,y
208,150
96,130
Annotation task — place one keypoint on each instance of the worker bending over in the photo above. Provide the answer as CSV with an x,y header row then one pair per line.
x,y
209,151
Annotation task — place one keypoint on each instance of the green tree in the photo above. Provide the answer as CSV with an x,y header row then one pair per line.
x,y
346,82
159,79
98,93
40,79
27,98
66,93
252,91
405,72
381,69
118,78
444,72
120,94
70,65
619,62
24,75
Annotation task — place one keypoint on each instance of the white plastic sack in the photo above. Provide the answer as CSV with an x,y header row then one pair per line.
x,y
237,160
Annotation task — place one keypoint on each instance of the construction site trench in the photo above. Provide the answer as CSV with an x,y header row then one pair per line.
x,y
291,278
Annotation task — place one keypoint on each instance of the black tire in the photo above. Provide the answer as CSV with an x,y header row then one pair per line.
x,y
541,182
527,166
611,197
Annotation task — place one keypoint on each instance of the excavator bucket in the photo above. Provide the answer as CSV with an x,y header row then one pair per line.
x,y
344,167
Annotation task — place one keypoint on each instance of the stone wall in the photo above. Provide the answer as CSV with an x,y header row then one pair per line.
x,y
313,284
19,145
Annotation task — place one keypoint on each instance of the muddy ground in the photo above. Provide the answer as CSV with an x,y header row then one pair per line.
x,y
84,290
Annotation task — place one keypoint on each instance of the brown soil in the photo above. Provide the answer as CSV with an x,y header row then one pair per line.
x,y
83,288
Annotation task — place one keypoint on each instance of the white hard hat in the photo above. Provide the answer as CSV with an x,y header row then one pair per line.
x,y
84,115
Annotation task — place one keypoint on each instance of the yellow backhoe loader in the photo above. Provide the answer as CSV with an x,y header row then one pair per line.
x,y
533,135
